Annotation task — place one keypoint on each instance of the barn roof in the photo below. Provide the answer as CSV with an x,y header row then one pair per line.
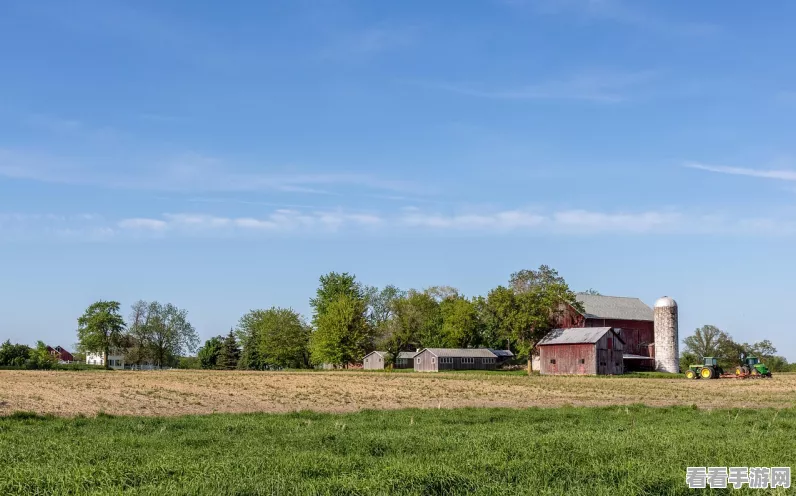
x,y
578,335
614,307
380,353
407,354
462,352
502,353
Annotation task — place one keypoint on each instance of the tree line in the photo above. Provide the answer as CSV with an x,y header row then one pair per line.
x,y
158,334
350,319
24,357
710,341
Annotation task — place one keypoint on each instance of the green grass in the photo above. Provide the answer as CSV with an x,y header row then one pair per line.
x,y
575,451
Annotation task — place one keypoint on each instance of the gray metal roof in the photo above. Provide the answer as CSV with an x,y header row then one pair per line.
x,y
614,307
502,353
407,354
380,353
462,352
579,335
630,356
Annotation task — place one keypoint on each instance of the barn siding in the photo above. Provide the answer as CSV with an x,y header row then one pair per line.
x,y
637,334
610,360
567,358
431,363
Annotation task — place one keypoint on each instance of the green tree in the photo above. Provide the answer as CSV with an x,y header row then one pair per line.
x,y
208,354
229,354
526,279
332,287
708,341
189,362
160,332
41,358
500,316
14,355
100,328
461,324
542,296
343,333
274,337
381,303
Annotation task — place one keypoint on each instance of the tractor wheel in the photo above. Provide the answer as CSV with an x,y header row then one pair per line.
x,y
690,374
738,371
754,371
706,373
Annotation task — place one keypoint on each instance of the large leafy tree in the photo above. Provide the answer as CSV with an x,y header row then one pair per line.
x,y
381,304
542,296
161,332
342,333
274,337
208,354
709,341
461,324
332,287
100,328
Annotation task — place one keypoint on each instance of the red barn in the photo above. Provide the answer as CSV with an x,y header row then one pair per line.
x,y
631,318
582,351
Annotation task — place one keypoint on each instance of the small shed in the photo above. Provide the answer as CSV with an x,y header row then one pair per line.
x,y
582,351
404,360
436,359
374,360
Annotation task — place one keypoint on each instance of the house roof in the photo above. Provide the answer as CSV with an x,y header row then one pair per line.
x,y
502,353
614,307
407,354
380,353
462,352
578,335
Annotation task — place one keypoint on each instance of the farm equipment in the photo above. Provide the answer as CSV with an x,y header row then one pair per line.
x,y
752,368
708,370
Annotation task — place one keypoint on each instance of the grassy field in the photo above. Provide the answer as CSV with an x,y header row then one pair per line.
x,y
181,392
631,450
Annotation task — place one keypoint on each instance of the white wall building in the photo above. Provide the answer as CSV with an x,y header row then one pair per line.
x,y
115,360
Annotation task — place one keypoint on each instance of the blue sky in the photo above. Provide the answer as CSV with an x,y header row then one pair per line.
x,y
223,157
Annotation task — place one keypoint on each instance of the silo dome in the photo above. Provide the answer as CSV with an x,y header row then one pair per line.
x,y
665,301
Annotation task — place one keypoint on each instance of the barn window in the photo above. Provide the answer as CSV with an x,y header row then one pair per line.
x,y
553,361
582,360
433,360
418,361
617,364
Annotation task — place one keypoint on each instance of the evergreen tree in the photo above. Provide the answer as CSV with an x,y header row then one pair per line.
x,y
230,353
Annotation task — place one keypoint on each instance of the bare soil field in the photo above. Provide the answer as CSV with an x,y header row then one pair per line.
x,y
180,392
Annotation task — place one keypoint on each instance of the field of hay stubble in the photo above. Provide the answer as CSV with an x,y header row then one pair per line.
x,y
180,392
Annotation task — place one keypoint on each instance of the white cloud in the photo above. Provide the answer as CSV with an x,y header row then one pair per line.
x,y
186,173
780,174
140,223
594,86
572,222
616,11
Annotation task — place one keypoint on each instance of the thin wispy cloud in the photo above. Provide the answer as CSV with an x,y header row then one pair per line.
x,y
622,12
778,174
289,222
189,173
591,86
370,41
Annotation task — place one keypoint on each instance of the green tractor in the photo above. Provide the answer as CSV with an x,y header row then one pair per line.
x,y
708,370
752,367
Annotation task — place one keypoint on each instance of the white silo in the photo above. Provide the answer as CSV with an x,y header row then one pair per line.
x,y
667,357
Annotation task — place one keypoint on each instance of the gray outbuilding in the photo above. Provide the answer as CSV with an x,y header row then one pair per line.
x,y
374,360
436,359
405,360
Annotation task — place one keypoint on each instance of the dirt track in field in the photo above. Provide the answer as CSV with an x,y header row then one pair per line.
x,y
182,392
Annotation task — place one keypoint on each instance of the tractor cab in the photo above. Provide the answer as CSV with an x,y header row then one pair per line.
x,y
752,361
710,362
